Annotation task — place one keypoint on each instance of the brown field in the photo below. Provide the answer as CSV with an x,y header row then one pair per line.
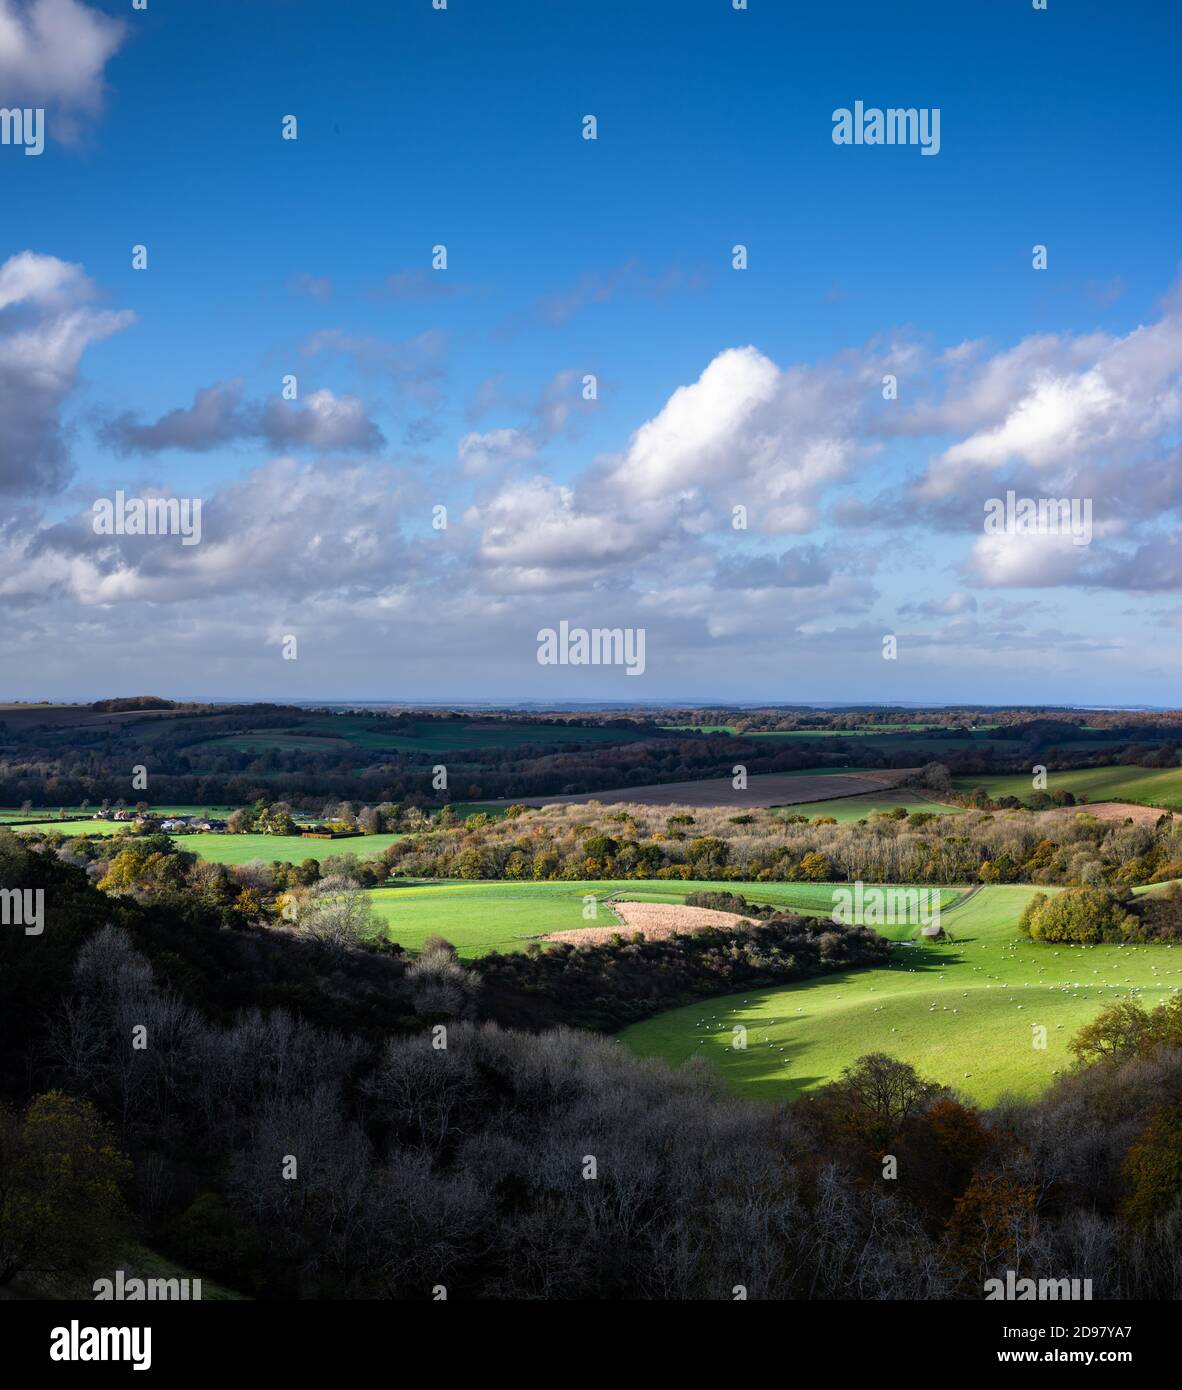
x,y
79,716
769,789
653,920
1111,810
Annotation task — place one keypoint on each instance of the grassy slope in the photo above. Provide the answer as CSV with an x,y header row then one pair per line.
x,y
961,1012
1148,785
481,917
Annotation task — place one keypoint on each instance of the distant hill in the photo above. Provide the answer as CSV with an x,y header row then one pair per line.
x,y
132,702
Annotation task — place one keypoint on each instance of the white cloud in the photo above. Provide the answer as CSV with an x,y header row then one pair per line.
x,y
53,53
1059,406
1016,560
750,432
698,426
45,329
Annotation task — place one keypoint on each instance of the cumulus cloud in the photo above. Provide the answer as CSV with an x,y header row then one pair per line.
x,y
534,534
1053,407
46,324
214,418
324,421
752,433
287,527
53,53
1027,561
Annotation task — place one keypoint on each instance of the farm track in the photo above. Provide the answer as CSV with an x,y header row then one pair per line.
x,y
964,898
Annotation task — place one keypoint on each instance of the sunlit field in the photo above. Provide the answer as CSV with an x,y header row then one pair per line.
x,y
481,917
963,1012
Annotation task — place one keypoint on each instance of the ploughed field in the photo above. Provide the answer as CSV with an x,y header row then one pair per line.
x,y
505,916
762,789
963,1012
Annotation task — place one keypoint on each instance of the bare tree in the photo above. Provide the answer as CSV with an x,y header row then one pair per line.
x,y
339,914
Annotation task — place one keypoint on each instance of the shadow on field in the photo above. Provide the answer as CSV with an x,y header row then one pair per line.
x,y
772,1024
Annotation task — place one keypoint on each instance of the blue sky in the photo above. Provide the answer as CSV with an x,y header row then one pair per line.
x,y
613,257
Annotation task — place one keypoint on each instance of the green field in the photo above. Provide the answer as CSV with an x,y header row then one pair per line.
x,y
1150,786
849,808
290,849
241,849
480,917
961,1012
76,827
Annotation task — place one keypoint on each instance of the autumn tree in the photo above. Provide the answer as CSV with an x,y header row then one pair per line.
x,y
1117,1032
991,1227
61,1175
